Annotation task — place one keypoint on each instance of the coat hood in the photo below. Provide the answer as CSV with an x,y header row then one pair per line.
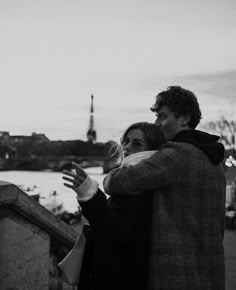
x,y
205,142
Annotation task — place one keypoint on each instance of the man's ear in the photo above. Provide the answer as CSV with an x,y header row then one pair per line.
x,y
184,120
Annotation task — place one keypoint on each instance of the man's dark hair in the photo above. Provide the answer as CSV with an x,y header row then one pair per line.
x,y
181,102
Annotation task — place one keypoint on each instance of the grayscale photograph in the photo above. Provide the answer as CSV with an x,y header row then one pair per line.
x,y
118,145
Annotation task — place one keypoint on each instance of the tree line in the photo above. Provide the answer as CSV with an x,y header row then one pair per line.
x,y
32,149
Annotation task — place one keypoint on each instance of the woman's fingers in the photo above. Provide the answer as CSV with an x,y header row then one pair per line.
x,y
69,185
79,170
73,181
75,176
67,172
67,177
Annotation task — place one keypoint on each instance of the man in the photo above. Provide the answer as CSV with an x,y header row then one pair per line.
x,y
188,181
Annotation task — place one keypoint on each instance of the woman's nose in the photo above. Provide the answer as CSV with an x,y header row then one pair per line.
x,y
157,122
127,147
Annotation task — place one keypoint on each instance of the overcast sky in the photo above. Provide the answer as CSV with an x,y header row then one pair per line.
x,y
55,53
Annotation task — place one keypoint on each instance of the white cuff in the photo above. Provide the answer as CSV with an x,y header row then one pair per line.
x,y
87,189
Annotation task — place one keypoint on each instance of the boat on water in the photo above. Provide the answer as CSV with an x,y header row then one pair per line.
x,y
53,204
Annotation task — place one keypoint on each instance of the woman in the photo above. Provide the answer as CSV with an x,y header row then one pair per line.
x,y
118,236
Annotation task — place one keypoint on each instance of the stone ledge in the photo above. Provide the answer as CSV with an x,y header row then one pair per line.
x,y
11,197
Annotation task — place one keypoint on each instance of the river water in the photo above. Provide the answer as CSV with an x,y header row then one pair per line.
x,y
46,182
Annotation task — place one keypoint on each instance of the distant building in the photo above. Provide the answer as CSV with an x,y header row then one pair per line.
x,y
5,137
91,134
9,143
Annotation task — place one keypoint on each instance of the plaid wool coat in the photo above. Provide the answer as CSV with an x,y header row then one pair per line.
x,y
186,250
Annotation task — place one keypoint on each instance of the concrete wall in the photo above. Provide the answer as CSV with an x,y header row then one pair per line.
x,y
32,242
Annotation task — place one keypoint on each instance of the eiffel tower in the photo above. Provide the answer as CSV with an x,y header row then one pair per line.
x,y
91,134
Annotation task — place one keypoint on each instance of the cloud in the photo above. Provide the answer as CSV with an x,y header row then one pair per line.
x,y
219,84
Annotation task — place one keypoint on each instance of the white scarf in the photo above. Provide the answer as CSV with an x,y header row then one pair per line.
x,y
135,158
132,159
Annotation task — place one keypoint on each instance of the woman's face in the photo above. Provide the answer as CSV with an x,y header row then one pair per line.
x,y
134,142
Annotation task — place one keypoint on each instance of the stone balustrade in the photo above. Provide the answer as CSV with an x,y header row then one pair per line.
x,y
32,242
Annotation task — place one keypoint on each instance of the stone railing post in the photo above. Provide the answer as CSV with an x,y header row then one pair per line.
x,y
32,241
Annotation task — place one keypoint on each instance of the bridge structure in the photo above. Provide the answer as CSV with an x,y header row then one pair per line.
x,y
106,163
57,163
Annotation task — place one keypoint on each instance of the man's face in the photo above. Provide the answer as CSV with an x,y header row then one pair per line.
x,y
169,123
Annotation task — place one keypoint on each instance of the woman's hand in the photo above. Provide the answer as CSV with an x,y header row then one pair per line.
x,y
75,179
80,182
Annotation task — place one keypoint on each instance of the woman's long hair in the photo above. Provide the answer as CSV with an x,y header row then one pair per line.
x,y
152,133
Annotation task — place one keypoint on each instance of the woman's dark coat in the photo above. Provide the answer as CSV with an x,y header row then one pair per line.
x,y
117,242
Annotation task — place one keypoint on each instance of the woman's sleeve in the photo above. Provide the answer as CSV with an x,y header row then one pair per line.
x,y
117,221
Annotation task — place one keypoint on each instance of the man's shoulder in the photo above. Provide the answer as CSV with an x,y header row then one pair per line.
x,y
172,146
169,153
177,150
